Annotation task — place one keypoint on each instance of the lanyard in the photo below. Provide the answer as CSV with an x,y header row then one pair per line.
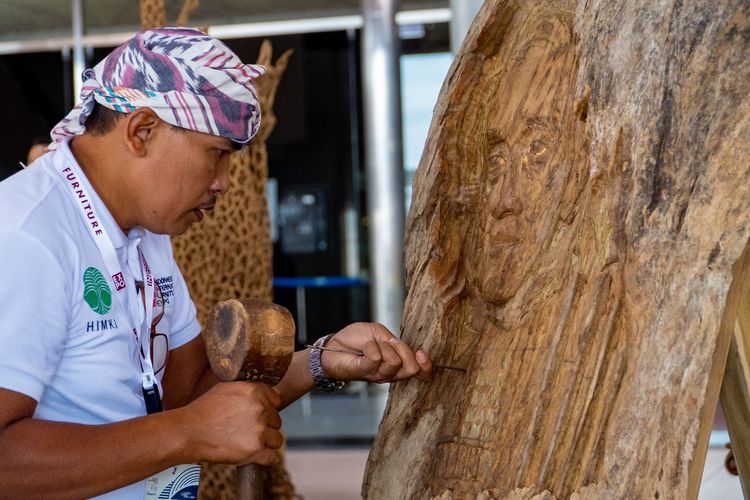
x,y
72,177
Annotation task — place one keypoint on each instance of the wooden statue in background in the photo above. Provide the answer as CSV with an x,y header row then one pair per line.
x,y
228,255
154,14
580,204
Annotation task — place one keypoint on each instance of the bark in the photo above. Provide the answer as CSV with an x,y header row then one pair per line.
x,y
576,215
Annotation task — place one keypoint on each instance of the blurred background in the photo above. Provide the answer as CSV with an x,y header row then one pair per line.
x,y
342,157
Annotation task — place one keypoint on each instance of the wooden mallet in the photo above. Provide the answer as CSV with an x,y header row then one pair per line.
x,y
250,340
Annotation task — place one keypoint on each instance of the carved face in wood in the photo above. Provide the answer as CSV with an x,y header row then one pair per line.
x,y
522,168
524,163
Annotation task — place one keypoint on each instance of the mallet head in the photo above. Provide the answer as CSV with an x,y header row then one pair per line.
x,y
249,339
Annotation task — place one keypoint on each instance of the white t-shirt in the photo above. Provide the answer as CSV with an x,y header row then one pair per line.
x,y
62,342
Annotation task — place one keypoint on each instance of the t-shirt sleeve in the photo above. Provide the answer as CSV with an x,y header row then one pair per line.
x,y
184,321
34,313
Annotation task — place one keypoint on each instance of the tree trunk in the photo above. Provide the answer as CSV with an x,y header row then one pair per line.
x,y
577,212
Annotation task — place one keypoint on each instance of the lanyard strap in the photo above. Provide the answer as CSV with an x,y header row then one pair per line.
x,y
77,189
149,379
72,177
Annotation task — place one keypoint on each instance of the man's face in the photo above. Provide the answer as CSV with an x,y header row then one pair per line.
x,y
185,172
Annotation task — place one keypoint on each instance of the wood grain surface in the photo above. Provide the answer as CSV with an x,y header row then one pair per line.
x,y
576,215
249,339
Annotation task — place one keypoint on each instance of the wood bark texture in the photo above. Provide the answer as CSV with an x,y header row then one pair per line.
x,y
577,212
153,14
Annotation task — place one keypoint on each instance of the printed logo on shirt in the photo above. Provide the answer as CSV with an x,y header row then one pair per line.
x,y
179,483
101,325
166,285
96,291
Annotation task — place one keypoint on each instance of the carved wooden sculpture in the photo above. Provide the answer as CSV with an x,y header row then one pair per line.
x,y
582,198
153,14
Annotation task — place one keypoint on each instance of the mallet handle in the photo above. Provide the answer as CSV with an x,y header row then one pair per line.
x,y
249,482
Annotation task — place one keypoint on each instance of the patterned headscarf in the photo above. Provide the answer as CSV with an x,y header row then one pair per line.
x,y
186,77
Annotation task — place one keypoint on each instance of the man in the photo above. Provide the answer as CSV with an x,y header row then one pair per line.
x,y
104,383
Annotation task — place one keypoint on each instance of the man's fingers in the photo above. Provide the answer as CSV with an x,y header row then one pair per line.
x,y
267,456
409,364
274,420
273,438
271,395
384,358
391,361
371,359
270,440
380,361
256,391
425,365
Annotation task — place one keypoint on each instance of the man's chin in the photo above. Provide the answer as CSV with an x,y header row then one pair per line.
x,y
186,222
182,229
175,229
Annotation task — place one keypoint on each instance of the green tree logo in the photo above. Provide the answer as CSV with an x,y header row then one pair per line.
x,y
96,291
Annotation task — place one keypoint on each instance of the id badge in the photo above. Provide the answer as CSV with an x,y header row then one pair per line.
x,y
178,482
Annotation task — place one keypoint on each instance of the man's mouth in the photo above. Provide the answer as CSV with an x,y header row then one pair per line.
x,y
199,211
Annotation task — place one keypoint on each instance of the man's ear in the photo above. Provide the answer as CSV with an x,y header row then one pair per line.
x,y
140,126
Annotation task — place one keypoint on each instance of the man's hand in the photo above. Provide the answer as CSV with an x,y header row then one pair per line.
x,y
236,423
385,358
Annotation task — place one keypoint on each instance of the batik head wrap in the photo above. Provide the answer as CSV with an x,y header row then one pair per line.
x,y
186,77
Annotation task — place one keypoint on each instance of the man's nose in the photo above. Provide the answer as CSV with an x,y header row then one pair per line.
x,y
221,181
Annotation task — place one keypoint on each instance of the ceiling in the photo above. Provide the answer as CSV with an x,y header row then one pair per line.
x,y
45,19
